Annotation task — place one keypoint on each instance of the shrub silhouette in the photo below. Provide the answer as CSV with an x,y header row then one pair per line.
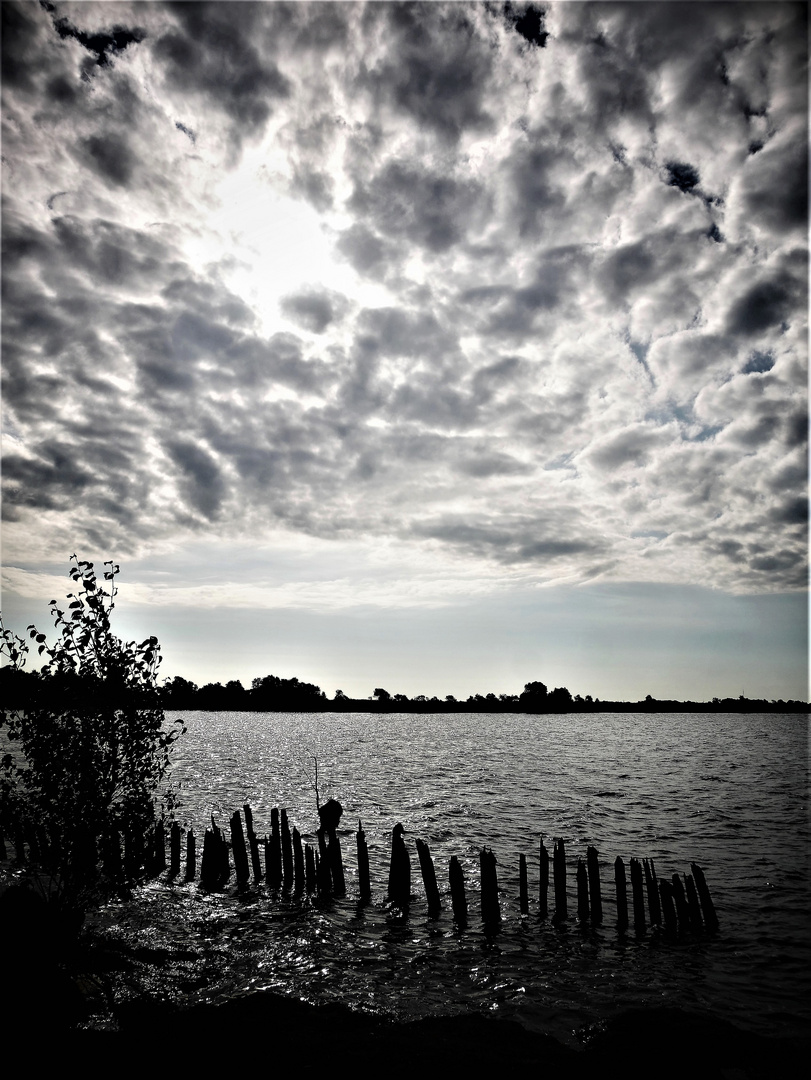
x,y
90,749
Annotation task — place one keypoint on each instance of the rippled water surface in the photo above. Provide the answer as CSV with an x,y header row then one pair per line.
x,y
727,791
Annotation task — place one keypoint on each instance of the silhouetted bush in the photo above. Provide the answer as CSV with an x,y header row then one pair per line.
x,y
90,748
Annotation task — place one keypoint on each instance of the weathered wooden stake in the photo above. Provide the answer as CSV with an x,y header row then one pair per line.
x,y
336,864
595,895
682,911
174,848
638,894
322,865
622,894
273,866
298,863
707,906
693,906
309,868
457,882
190,856
668,908
240,851
543,883
559,872
287,852
582,892
364,881
221,845
253,843
159,849
651,886
210,862
428,878
399,869
523,886
491,912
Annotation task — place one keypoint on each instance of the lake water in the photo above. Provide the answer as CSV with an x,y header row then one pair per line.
x,y
727,791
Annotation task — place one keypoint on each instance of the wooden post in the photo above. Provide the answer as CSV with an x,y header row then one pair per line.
x,y
298,863
399,869
273,867
523,886
364,881
159,849
582,892
210,862
651,886
253,843
174,848
682,911
287,852
239,849
639,896
595,895
693,906
429,878
221,851
668,909
322,865
458,900
190,856
543,883
491,912
559,872
336,864
622,895
310,876
707,906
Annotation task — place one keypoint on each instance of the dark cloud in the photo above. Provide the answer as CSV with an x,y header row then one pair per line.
x,y
202,479
364,249
764,305
537,193
314,309
523,542
411,203
214,51
110,156
436,69
23,38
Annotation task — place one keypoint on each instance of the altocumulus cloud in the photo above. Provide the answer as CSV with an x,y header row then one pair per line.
x,y
560,324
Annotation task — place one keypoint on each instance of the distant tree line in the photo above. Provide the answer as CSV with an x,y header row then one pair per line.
x,y
24,689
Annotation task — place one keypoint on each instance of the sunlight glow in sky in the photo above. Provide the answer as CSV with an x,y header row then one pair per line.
x,y
414,345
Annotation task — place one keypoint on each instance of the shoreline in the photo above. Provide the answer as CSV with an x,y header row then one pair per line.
x,y
318,1039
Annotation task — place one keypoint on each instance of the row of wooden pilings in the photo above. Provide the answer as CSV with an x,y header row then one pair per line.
x,y
676,905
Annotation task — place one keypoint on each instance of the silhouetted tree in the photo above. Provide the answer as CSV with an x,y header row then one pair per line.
x,y
92,749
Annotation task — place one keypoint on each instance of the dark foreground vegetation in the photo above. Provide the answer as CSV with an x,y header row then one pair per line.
x,y
24,689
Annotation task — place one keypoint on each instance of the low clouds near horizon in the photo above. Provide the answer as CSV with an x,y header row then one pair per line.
x,y
522,287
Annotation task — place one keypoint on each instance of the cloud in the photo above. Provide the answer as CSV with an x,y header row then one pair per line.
x,y
556,322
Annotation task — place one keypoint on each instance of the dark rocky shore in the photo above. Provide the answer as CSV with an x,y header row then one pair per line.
x,y
279,1033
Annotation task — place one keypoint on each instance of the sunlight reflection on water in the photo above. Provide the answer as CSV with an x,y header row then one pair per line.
x,y
726,791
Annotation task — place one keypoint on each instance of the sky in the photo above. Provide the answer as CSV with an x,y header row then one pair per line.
x,y
437,347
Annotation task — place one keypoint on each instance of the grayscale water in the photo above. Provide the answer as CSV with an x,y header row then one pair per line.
x,y
727,791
